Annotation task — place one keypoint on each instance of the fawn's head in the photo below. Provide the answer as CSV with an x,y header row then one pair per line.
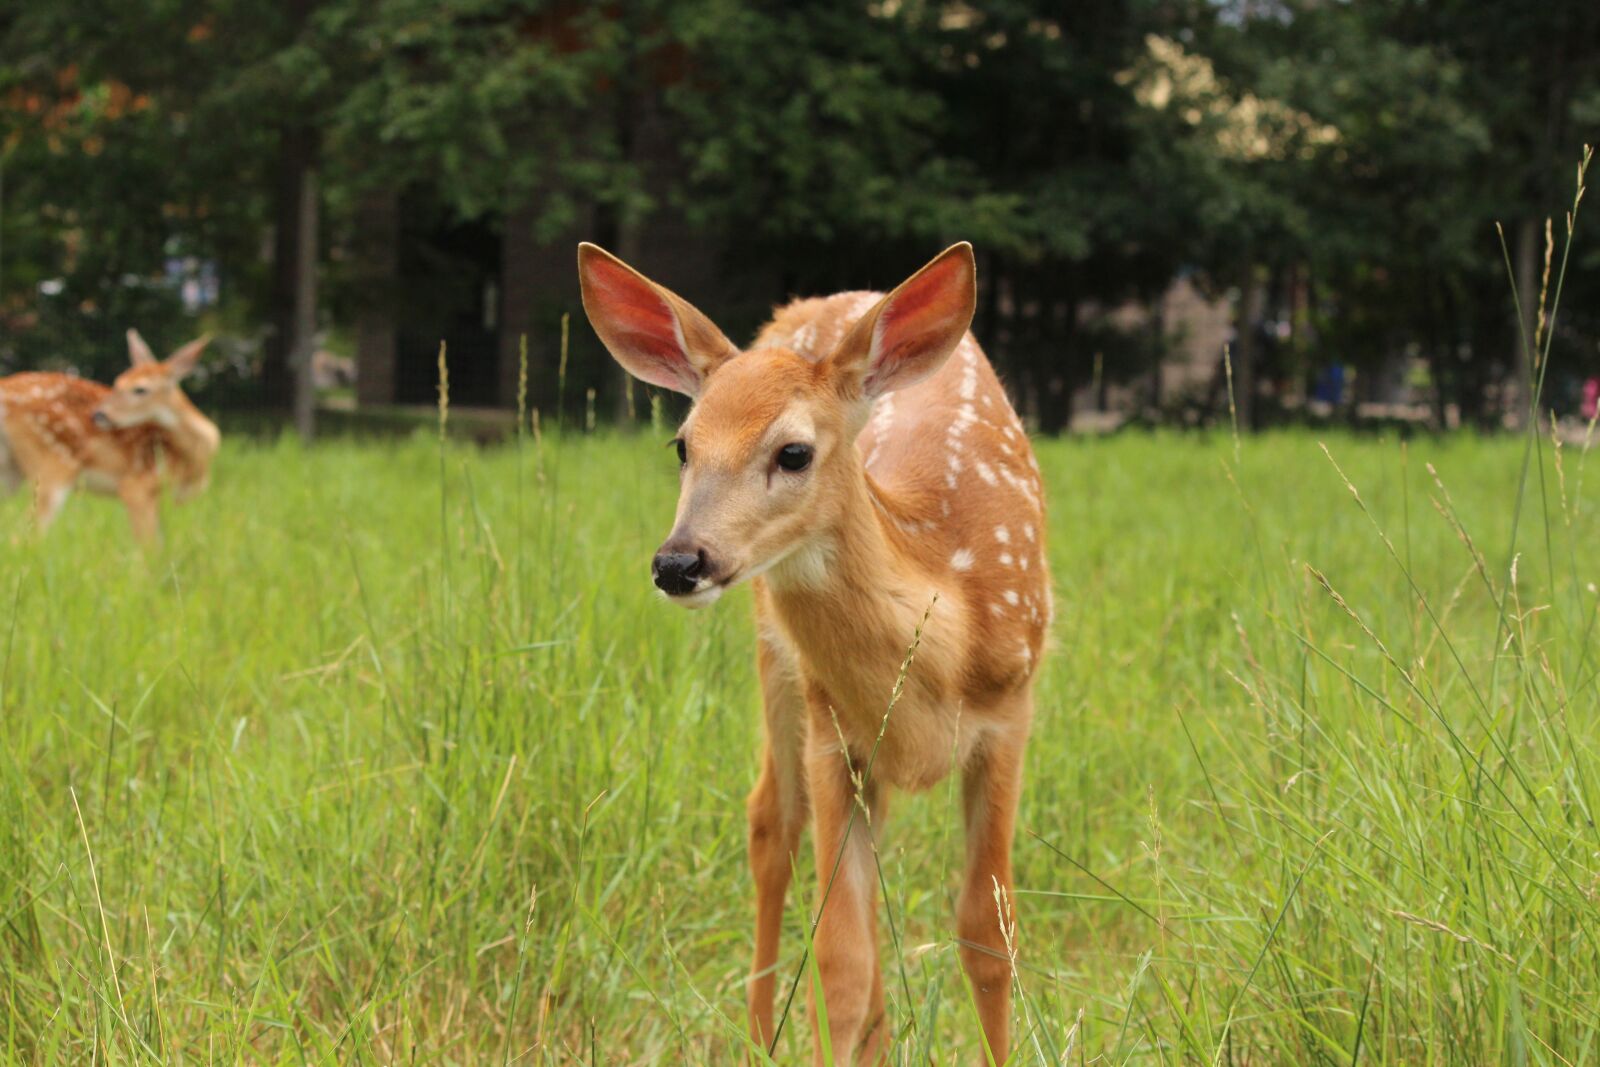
x,y
767,452
147,392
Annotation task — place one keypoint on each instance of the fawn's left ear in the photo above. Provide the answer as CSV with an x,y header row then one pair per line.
x,y
139,352
183,361
911,332
657,335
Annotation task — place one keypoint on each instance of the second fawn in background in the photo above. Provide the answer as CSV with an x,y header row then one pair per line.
x,y
58,431
859,463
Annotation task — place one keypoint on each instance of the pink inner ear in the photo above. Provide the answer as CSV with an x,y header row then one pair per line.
x,y
916,321
642,328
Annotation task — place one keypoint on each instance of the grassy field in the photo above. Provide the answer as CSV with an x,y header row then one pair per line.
x,y
392,756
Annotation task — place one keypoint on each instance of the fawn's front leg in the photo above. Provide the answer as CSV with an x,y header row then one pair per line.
x,y
845,942
777,814
142,498
49,493
991,786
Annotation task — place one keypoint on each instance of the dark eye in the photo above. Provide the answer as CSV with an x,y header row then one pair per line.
x,y
794,457
140,390
683,450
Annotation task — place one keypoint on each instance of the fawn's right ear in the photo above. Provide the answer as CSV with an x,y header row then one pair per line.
x,y
138,351
912,331
182,362
656,335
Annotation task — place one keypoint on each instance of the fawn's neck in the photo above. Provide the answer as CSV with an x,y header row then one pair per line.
x,y
852,596
189,443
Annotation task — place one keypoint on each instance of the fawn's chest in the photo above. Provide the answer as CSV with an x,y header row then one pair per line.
x,y
886,679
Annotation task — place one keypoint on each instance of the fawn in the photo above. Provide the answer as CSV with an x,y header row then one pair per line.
x,y
856,474
58,431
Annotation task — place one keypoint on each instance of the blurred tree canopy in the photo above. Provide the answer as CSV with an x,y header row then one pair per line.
x,y
1337,168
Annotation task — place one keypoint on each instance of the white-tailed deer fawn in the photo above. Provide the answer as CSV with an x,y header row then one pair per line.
x,y
58,431
859,463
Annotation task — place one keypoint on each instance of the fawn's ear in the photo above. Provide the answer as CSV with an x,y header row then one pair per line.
x,y
182,362
138,351
911,332
656,335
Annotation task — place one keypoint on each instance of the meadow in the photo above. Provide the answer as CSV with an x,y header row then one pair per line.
x,y
391,755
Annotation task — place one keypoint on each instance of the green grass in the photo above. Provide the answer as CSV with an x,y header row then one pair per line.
x,y
345,776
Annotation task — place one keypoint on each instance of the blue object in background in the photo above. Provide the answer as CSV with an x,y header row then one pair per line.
x,y
1330,385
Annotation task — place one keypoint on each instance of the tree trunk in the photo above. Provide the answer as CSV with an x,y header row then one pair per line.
x,y
296,152
987,326
519,264
377,249
1252,306
1491,332
2,227
303,338
1157,327
294,228
1519,390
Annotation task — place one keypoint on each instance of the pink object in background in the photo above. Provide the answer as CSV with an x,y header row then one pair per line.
x,y
1591,397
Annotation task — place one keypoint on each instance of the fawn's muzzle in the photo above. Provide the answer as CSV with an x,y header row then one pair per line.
x,y
678,573
101,420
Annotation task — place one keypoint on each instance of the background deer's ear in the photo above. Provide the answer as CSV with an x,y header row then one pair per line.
x,y
656,335
138,351
911,332
182,362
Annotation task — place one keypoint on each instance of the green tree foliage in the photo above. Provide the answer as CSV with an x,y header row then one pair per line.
x,y
1335,167
1450,118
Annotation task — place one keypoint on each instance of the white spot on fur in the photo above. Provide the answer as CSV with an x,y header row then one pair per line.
x,y
1021,485
880,425
883,413
986,472
1011,597
962,560
1002,535
863,303
1005,559
1027,530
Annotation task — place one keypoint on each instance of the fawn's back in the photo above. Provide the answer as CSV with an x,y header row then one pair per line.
x,y
47,426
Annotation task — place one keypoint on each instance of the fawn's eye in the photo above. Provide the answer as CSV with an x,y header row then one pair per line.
x,y
794,457
683,450
140,390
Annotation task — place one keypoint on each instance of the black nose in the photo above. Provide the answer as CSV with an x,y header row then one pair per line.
x,y
677,572
101,421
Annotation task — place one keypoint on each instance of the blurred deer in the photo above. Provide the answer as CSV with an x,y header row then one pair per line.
x,y
58,431
857,464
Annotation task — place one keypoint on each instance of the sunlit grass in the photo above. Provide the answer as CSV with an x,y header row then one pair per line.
x,y
348,794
